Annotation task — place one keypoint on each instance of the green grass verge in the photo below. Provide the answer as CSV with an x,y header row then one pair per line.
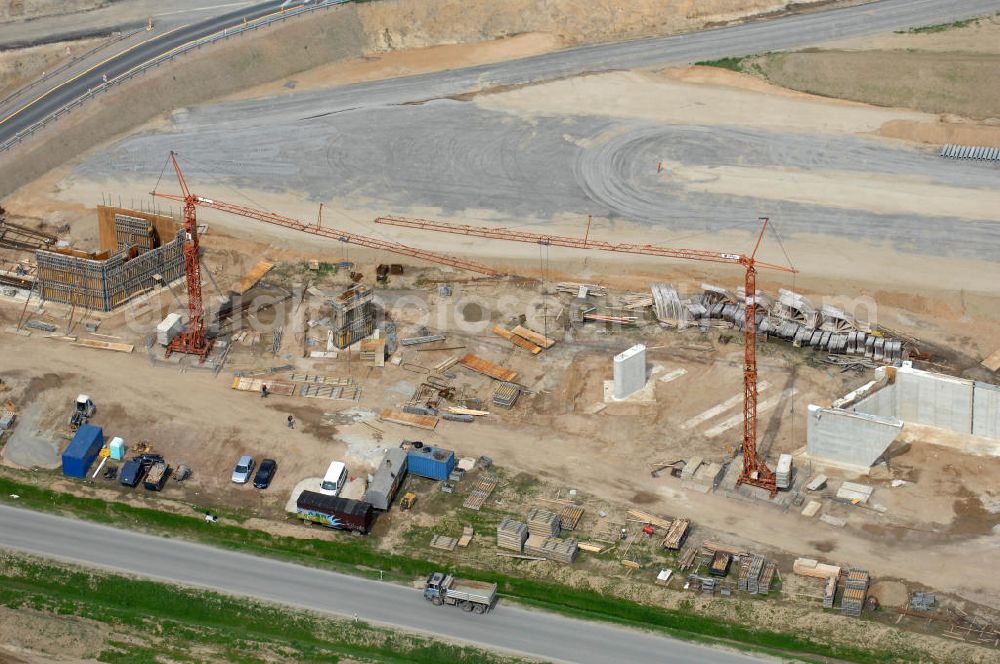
x,y
940,27
357,556
733,64
166,622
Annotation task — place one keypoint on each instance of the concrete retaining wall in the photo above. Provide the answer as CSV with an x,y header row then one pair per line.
x,y
856,433
934,399
986,411
848,438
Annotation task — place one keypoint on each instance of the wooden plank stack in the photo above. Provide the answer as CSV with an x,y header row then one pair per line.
x,y
544,523
399,417
553,548
767,577
487,368
444,543
814,568
534,337
511,534
677,533
855,591
518,341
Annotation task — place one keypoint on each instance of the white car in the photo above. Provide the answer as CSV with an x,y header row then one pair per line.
x,y
243,470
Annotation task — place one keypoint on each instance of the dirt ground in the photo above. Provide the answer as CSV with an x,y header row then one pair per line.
x,y
954,71
16,10
946,510
167,404
20,66
395,24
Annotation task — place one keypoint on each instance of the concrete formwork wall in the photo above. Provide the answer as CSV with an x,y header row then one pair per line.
x,y
103,285
883,402
935,400
845,437
986,410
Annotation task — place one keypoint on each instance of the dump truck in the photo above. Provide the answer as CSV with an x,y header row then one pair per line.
x,y
475,596
157,476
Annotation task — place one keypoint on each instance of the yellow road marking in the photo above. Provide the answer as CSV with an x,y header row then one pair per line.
x,y
186,44
139,66
87,71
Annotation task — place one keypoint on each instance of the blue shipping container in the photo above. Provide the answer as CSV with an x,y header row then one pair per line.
x,y
432,462
82,450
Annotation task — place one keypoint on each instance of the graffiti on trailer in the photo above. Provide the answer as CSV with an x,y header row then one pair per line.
x,y
320,517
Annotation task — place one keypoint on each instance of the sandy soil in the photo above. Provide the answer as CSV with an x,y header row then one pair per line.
x,y
16,10
395,24
952,71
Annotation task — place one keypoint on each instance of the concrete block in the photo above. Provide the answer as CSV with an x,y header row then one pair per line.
x,y
630,371
844,437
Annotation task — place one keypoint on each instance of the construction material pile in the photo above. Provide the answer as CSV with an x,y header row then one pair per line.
x,y
553,548
855,592
511,534
544,523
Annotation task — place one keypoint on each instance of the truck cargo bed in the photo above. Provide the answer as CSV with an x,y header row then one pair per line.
x,y
473,591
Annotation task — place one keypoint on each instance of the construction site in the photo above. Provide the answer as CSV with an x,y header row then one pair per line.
x,y
611,355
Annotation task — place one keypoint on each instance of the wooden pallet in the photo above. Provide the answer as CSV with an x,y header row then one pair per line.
x,y
477,497
444,543
335,392
570,516
486,368
409,419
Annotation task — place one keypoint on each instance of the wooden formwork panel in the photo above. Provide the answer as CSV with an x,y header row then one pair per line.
x,y
487,368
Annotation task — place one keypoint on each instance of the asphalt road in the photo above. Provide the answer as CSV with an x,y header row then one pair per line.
x,y
507,627
51,99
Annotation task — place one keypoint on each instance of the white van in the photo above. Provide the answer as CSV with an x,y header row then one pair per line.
x,y
335,479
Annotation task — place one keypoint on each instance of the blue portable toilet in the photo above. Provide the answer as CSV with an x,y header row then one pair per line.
x,y
117,447
432,462
82,450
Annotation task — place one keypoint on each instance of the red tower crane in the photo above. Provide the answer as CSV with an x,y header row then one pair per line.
x,y
755,471
194,339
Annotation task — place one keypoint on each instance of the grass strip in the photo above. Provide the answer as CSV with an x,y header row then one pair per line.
x,y
733,64
357,556
171,622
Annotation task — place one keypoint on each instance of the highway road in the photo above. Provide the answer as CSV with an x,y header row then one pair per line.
x,y
51,99
507,627
754,37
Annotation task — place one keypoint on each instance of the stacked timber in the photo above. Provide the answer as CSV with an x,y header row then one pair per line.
x,y
767,577
676,534
855,592
814,568
544,523
511,534
553,548
829,592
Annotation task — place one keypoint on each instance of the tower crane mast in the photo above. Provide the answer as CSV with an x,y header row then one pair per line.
x,y
754,471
